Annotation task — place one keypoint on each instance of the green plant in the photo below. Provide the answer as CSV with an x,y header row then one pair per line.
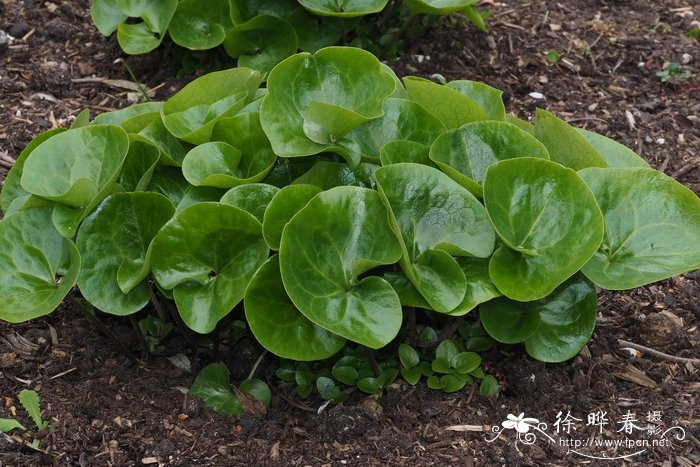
x,y
155,331
694,33
346,210
261,34
673,72
553,56
29,400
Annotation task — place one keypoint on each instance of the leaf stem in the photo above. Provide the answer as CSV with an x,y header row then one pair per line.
x,y
142,89
257,364
372,359
412,326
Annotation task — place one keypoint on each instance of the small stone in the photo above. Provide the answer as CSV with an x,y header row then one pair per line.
x,y
18,30
661,141
536,95
686,58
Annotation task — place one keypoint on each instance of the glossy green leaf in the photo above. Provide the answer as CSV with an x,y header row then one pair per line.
x,y
212,386
614,153
83,119
465,362
436,218
38,266
315,32
192,112
212,164
402,120
454,383
120,116
244,132
285,171
448,105
490,99
402,150
253,198
327,175
489,386
314,100
156,15
137,38
139,165
245,10
480,287
509,321
520,123
565,144
207,254
12,189
548,220
408,356
327,388
114,244
106,15
278,325
652,227
344,8
465,153
411,375
345,374
261,43
199,27
567,320
339,235
75,166
408,295
258,389
283,206
447,350
439,7
169,182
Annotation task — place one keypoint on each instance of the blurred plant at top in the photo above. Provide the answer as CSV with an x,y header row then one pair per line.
x,y
261,34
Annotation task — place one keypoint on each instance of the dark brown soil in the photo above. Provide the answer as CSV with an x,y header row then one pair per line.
x,y
106,410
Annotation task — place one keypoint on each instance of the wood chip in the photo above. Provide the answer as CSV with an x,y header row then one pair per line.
x,y
465,428
636,376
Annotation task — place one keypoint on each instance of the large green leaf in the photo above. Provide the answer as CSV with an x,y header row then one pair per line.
x,y
567,320
448,105
245,10
139,165
468,151
12,189
548,220
74,166
402,120
509,321
287,202
480,287
137,38
200,25
212,386
278,325
338,236
213,164
614,153
192,112
207,254
436,218
156,15
403,150
169,182
490,99
652,227
38,266
439,7
262,42
344,8
327,175
253,198
114,244
315,100
565,144
106,15
118,117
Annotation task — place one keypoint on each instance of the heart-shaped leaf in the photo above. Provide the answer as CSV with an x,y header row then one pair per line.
x,y
212,386
118,117
207,255
169,182
448,105
327,175
509,321
200,26
332,92
212,164
38,266
339,235
156,15
137,38
344,8
402,150
614,153
652,227
480,287
262,42
436,218
283,206
245,10
468,151
139,165
114,244
253,198
565,144
548,220
278,325
192,113
439,7
106,15
567,320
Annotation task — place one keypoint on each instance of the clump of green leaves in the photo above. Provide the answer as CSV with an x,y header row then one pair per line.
x,y
673,72
261,34
334,203
29,399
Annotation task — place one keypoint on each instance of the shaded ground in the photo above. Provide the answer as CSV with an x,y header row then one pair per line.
x,y
106,410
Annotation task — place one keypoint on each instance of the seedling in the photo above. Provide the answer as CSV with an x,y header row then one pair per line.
x,y
673,72
553,56
29,400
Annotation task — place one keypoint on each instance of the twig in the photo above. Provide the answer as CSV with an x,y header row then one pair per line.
x,y
64,373
656,353
257,364
685,169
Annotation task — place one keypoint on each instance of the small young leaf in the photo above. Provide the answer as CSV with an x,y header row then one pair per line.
x,y
346,375
408,356
212,386
8,424
30,401
327,388
428,336
489,386
411,375
258,389
465,362
453,383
